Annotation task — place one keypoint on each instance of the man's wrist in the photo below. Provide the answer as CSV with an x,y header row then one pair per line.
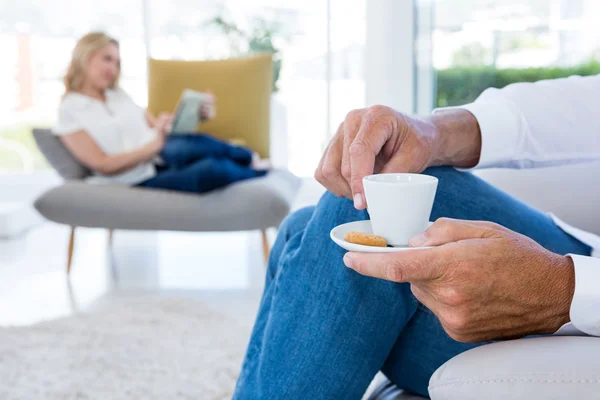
x,y
458,138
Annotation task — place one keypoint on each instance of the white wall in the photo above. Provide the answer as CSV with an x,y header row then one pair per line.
x,y
389,53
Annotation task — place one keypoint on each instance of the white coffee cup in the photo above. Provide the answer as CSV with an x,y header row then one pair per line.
x,y
399,205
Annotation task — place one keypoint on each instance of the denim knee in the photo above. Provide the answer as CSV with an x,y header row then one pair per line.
x,y
456,194
446,175
296,222
334,211
219,170
331,211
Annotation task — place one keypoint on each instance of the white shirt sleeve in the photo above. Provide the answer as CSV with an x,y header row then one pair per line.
x,y
68,122
127,98
585,308
539,124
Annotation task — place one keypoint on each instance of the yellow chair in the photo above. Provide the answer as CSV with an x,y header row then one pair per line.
x,y
242,88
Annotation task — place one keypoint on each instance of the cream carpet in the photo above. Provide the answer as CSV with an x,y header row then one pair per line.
x,y
130,348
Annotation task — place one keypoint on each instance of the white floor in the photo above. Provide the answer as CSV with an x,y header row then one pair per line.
x,y
225,267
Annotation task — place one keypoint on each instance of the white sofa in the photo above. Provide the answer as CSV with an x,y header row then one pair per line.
x,y
526,369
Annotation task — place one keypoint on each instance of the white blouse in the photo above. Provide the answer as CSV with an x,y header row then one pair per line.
x,y
117,126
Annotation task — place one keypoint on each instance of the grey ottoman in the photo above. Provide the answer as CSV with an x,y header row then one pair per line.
x,y
255,204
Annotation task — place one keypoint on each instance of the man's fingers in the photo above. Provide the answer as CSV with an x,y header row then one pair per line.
x,y
363,150
406,266
409,158
422,295
329,172
447,230
350,128
425,297
398,163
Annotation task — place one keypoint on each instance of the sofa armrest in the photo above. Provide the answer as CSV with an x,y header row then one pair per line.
x,y
538,368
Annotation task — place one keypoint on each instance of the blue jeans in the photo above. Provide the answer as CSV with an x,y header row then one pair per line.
x,y
323,331
199,163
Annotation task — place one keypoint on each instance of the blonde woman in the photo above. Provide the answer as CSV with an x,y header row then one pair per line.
x,y
122,143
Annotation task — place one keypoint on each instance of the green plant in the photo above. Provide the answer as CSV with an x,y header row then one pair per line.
x,y
260,38
457,86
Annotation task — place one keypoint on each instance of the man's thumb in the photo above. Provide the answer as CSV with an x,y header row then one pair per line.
x,y
447,230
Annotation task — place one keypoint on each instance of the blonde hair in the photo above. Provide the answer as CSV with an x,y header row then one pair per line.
x,y
83,51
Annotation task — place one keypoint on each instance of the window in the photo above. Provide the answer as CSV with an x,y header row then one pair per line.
x,y
315,88
36,44
321,48
474,44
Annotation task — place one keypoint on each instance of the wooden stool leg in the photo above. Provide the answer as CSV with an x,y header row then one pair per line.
x,y
71,246
266,247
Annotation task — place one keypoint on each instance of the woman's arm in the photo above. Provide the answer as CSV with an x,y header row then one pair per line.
x,y
150,119
162,124
87,152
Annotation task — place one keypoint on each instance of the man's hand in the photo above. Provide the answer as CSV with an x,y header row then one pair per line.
x,y
481,280
375,139
381,140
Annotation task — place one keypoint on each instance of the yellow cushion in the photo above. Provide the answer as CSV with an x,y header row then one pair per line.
x,y
242,88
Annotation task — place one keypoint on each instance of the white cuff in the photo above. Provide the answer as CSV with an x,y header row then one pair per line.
x,y
500,127
585,308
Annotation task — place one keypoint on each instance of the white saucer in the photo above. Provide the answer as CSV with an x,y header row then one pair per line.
x,y
337,235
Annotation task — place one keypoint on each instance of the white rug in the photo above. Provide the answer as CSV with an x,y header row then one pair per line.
x,y
132,348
